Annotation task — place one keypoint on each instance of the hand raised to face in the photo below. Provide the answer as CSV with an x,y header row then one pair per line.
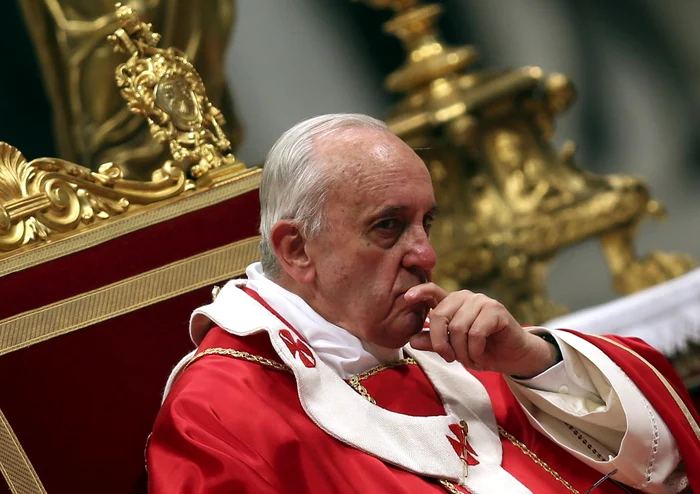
x,y
479,332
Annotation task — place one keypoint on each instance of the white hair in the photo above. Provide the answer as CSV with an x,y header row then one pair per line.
x,y
294,186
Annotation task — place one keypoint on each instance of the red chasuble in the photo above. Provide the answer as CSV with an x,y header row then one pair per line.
x,y
233,423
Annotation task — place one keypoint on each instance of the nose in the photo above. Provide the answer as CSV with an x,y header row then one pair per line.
x,y
419,253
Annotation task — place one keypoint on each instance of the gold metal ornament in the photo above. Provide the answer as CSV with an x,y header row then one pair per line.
x,y
511,201
90,121
48,196
164,87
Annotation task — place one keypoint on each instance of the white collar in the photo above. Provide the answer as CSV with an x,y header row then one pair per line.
x,y
343,352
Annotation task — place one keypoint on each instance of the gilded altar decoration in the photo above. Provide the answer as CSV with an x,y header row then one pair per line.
x,y
164,87
90,121
512,201
49,196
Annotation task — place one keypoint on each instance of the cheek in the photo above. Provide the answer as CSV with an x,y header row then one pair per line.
x,y
341,270
359,266
382,290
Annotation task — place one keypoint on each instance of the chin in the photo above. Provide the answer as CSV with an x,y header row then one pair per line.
x,y
402,329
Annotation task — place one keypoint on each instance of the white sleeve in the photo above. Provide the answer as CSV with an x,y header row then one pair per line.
x,y
587,405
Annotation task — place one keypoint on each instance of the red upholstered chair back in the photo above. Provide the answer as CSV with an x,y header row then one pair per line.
x,y
90,327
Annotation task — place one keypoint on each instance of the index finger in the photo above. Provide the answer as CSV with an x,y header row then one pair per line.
x,y
426,292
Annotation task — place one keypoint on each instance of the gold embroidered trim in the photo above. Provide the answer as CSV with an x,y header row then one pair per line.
x,y
99,305
354,381
147,215
126,296
536,459
669,388
14,464
228,352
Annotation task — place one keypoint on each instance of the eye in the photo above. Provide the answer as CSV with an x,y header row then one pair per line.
x,y
387,224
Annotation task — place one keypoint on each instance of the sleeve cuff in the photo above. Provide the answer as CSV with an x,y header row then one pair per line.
x,y
557,378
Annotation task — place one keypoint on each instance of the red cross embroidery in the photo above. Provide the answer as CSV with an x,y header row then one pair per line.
x,y
298,347
461,444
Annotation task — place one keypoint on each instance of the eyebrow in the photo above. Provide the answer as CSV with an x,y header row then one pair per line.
x,y
389,210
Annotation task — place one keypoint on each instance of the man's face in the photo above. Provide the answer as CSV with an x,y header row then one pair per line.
x,y
376,245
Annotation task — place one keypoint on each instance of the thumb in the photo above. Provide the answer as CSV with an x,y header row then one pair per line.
x,y
421,341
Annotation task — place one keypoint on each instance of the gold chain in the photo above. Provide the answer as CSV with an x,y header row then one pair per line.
x,y
536,459
378,368
240,355
354,382
451,487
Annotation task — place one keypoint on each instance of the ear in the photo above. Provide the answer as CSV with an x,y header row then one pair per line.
x,y
290,247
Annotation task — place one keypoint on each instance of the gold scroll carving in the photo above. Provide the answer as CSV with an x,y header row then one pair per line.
x,y
48,196
511,200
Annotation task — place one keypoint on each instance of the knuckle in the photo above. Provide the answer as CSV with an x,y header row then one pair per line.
x,y
456,327
439,318
495,305
477,334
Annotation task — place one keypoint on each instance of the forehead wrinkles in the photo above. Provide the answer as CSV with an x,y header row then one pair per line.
x,y
365,165
355,157
354,154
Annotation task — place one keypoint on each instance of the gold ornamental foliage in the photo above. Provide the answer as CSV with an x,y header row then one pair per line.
x,y
91,123
164,87
49,196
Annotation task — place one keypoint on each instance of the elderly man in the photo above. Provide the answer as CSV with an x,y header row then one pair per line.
x,y
322,372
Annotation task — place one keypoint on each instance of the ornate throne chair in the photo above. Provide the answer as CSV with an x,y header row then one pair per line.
x,y
98,276
91,325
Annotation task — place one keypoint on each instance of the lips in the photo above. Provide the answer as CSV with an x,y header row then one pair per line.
x,y
403,291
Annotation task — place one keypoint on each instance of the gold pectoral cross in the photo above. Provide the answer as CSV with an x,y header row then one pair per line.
x,y
465,430
462,447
